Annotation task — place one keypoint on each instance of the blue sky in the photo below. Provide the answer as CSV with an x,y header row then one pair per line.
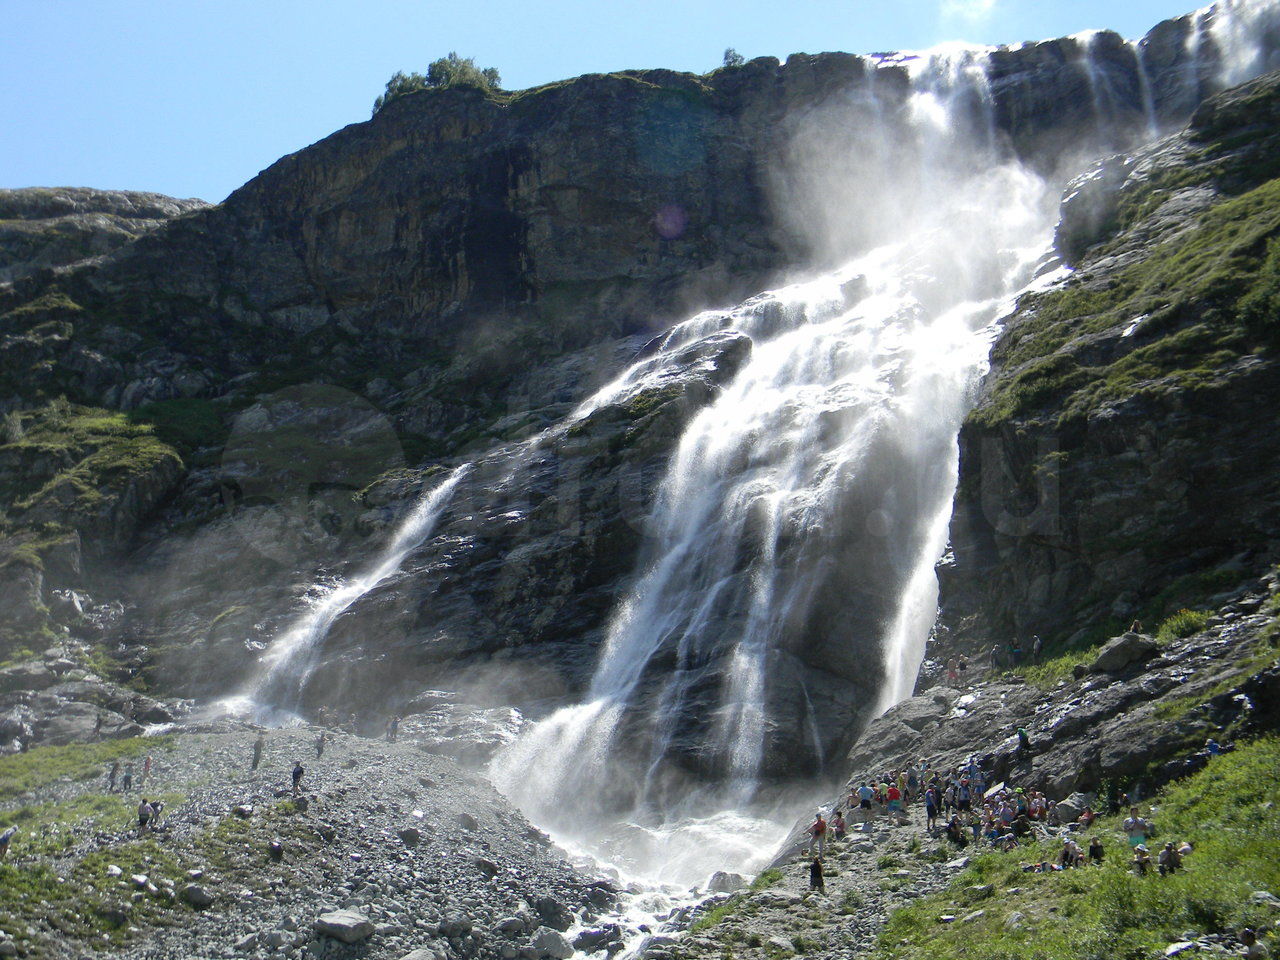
x,y
194,97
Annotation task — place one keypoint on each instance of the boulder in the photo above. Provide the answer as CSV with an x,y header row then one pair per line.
x,y
589,941
410,836
31,675
454,925
551,943
349,926
197,896
1069,810
1124,650
553,913
722,882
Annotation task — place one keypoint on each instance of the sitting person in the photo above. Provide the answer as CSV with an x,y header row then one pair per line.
x,y
1006,843
1141,860
1170,861
955,831
1096,853
1070,855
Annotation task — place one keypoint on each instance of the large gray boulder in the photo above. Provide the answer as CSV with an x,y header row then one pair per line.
x,y
551,943
722,882
1124,650
349,926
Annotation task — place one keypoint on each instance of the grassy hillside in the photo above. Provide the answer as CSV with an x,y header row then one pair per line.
x,y
1228,813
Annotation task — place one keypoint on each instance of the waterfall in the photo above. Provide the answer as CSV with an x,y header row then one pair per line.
x,y
792,541
274,693
1243,35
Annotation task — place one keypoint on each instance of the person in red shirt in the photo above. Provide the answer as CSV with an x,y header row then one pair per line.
x,y
818,835
894,796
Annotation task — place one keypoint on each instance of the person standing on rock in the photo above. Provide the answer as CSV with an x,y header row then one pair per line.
x,y
816,880
97,727
127,784
297,776
995,657
146,770
1037,647
818,834
931,809
258,746
320,745
145,813
112,774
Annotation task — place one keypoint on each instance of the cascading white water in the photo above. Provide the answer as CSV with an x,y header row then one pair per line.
x,y
843,419
1238,30
949,231
274,692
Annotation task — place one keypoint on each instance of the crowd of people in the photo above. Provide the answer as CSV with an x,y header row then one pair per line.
x,y
960,804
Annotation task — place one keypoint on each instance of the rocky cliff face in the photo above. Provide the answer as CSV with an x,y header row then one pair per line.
x,y
1119,463
42,228
448,279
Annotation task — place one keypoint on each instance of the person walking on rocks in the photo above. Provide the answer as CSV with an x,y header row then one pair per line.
x,y
818,834
145,813
127,783
995,657
97,727
112,775
320,745
258,746
146,771
297,776
816,880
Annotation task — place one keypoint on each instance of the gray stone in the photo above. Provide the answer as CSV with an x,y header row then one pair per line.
x,y
552,943
349,926
425,953
1124,650
196,895
722,882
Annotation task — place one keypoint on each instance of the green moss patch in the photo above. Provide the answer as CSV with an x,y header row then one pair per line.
x,y
1199,302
